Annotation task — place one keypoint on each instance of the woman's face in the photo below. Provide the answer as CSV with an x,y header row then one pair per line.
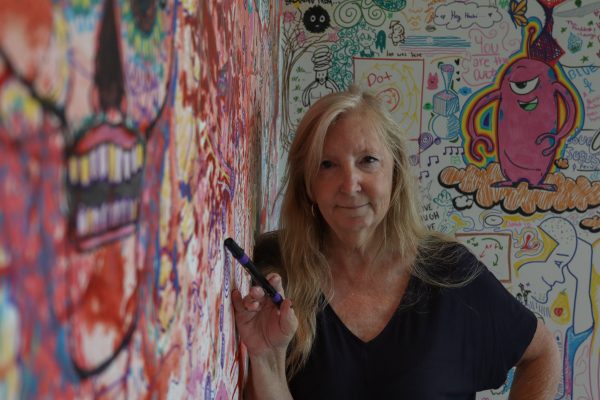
x,y
353,186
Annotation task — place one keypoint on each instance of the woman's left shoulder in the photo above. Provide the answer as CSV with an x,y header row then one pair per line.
x,y
449,261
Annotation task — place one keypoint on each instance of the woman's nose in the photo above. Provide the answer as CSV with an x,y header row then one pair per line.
x,y
350,180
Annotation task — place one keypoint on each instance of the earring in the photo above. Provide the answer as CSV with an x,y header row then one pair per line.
x,y
312,210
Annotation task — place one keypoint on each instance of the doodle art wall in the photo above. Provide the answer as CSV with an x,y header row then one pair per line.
x,y
130,135
501,102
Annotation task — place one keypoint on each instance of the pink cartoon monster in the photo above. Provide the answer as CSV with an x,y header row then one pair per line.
x,y
529,130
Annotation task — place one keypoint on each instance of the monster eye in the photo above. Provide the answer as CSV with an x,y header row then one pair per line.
x,y
322,18
313,18
525,86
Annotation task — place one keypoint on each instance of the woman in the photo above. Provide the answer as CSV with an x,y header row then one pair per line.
x,y
382,308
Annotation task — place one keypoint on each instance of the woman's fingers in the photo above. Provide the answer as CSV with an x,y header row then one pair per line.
x,y
262,325
275,281
288,323
253,300
238,302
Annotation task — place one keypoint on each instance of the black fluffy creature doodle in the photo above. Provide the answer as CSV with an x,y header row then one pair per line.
x,y
316,19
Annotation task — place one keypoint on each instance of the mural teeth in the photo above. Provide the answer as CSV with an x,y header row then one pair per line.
x,y
132,157
139,156
112,214
80,222
105,162
118,169
103,167
95,217
117,212
73,170
84,171
89,220
111,163
98,163
92,165
126,165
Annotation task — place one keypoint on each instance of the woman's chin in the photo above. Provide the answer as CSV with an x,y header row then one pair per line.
x,y
354,231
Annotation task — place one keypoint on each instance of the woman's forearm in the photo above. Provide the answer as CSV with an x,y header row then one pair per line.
x,y
536,381
538,372
267,380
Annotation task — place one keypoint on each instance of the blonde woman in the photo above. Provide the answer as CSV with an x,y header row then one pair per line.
x,y
382,308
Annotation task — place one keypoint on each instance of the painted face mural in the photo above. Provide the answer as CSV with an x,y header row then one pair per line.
x,y
83,87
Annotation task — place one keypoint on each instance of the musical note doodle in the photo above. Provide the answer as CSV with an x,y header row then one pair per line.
x,y
435,158
453,150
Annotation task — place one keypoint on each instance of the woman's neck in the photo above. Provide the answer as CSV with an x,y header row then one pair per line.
x,y
359,262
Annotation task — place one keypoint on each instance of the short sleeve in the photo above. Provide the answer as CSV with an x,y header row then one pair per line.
x,y
503,327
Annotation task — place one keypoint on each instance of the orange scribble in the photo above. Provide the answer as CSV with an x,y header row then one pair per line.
x,y
561,163
571,194
591,224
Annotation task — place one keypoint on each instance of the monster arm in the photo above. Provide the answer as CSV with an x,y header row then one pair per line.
x,y
560,90
472,130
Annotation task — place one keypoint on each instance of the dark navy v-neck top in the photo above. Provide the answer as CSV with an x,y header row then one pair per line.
x,y
442,343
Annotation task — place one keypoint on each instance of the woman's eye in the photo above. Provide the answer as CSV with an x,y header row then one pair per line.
x,y
326,164
370,160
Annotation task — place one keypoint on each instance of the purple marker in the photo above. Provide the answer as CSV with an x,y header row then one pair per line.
x,y
238,253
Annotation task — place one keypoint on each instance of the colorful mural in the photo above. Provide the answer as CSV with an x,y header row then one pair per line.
x,y
130,133
500,101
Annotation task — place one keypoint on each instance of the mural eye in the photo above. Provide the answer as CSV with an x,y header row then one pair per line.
x,y
313,18
144,13
525,86
146,28
322,19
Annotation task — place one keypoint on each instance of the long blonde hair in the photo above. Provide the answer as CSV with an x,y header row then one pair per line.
x,y
306,271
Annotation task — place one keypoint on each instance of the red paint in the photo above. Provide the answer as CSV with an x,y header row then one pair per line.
x,y
106,133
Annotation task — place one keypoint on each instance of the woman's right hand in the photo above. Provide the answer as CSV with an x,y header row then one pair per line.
x,y
264,328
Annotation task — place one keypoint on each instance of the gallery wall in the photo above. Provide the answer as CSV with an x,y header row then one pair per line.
x,y
130,138
501,102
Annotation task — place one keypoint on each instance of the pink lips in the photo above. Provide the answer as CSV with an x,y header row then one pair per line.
x,y
353,207
106,133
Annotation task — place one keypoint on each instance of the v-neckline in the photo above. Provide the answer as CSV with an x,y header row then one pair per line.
x,y
390,322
